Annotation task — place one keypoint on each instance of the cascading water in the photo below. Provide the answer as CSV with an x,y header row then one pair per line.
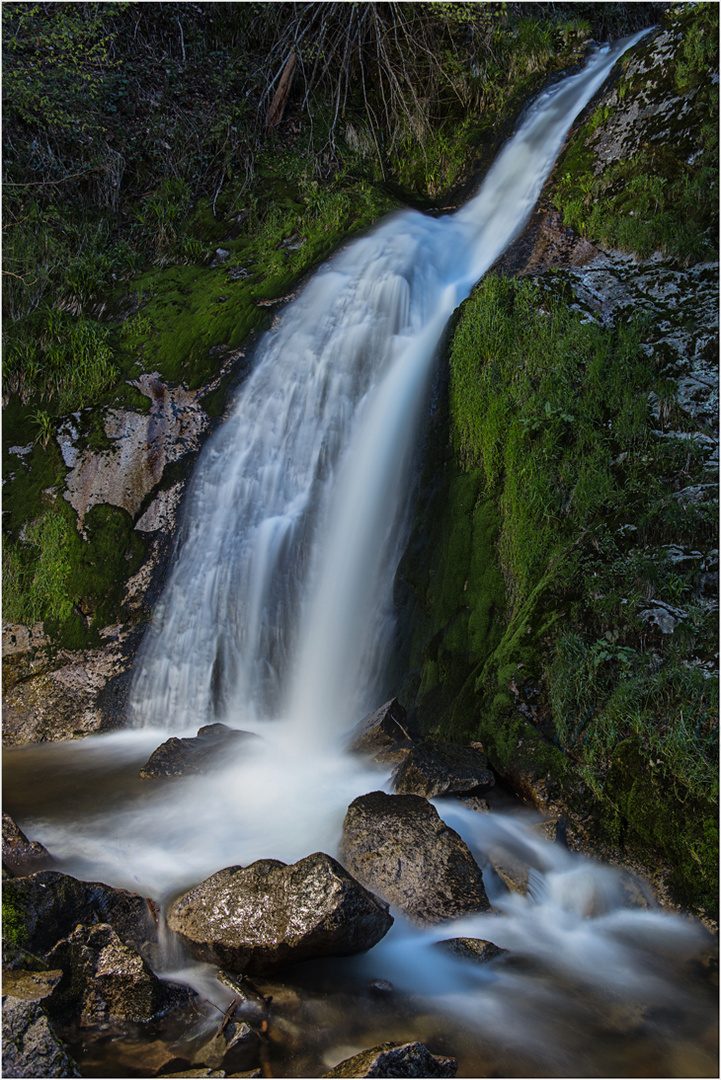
x,y
277,618
279,601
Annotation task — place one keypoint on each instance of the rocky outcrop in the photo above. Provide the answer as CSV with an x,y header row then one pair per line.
x,y
262,917
76,694
396,1059
20,855
30,1047
47,906
190,757
143,445
431,769
399,847
106,982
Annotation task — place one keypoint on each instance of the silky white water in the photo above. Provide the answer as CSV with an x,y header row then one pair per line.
x,y
277,618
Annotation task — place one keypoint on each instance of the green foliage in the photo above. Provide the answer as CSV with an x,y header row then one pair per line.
x,y
64,359
34,584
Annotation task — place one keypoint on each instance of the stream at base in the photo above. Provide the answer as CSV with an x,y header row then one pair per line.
x,y
597,979
277,619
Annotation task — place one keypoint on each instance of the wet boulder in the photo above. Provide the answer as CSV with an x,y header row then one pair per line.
x,y
382,734
20,855
193,756
398,846
46,907
259,918
30,1047
235,1046
106,982
432,769
396,1059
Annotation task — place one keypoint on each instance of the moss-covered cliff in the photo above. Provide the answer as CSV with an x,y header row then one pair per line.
x,y
562,576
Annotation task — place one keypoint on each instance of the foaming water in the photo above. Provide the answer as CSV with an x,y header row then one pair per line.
x,y
277,618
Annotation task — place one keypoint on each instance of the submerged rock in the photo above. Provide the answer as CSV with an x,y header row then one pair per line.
x,y
396,1059
234,1047
20,855
258,918
192,756
432,769
30,1047
478,950
398,846
47,906
106,981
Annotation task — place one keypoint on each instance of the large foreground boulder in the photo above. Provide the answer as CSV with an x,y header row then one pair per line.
x,y
396,1059
196,755
30,1047
20,855
432,769
259,918
399,847
106,982
44,908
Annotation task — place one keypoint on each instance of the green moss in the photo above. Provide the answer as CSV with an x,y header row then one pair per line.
x,y
648,812
14,925
553,447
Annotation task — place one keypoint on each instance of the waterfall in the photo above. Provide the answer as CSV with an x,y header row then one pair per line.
x,y
279,602
277,618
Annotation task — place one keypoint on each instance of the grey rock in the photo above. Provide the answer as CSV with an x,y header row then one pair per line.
x,y
49,905
192,756
396,1059
382,730
20,855
476,949
107,982
261,917
398,846
432,769
29,1045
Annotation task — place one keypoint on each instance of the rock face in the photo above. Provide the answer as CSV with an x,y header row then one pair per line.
x,y
106,982
432,769
20,855
264,916
396,1059
29,1045
184,757
47,906
398,846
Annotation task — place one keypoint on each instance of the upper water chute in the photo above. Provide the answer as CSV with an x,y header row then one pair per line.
x,y
279,600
